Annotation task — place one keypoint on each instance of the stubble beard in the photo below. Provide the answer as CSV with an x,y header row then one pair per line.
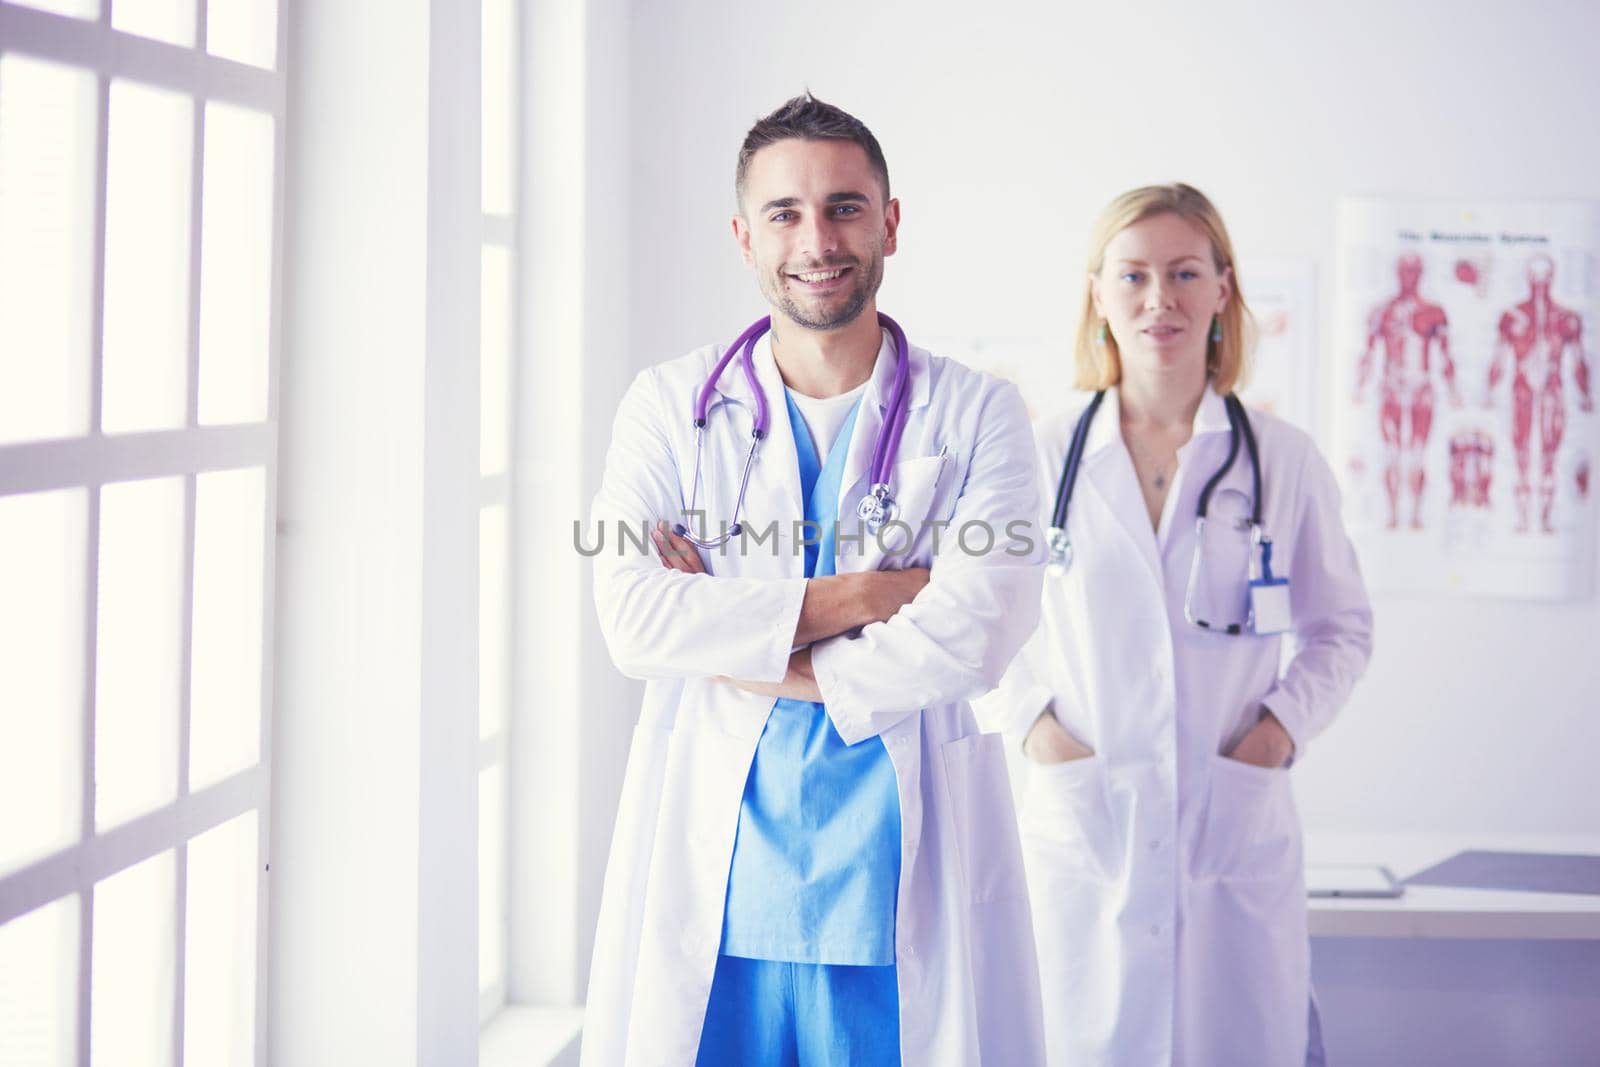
x,y
868,277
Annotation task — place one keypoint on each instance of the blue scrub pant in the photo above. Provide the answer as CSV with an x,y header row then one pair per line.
x,y
766,1013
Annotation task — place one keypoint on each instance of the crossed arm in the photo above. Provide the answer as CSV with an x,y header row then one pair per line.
x,y
939,641
833,605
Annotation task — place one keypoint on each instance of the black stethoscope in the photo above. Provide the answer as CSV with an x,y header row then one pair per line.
x,y
1060,544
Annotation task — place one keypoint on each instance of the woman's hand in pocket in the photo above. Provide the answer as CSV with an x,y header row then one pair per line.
x,y
1267,744
1048,742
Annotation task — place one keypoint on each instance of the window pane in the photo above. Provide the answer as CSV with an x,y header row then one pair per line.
x,y
147,258
39,987
47,164
229,562
43,546
137,648
219,975
499,105
494,376
492,804
83,9
165,20
243,30
235,265
133,966
494,620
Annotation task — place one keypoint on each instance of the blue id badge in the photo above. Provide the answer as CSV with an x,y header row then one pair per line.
x,y
1270,611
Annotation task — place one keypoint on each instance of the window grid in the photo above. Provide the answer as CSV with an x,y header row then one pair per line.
x,y
95,459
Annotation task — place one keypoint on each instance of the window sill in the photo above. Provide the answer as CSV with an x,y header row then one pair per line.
x,y
531,1037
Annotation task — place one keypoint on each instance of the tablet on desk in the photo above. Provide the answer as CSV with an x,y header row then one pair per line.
x,y
1351,880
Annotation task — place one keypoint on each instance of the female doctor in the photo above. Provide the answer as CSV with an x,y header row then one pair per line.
x,y
1159,830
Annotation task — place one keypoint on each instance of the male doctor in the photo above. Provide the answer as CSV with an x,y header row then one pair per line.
x,y
816,859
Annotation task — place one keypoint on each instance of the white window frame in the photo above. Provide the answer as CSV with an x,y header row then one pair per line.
x,y
92,461
500,231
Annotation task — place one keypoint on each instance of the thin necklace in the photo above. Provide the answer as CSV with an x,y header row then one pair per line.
x,y
1159,470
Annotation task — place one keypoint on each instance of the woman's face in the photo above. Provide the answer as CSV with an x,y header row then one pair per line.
x,y
1157,290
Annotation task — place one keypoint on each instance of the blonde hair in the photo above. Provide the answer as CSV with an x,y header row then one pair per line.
x,y
1098,363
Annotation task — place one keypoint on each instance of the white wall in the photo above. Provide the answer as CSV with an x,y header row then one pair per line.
x,y
373,919
574,713
1006,129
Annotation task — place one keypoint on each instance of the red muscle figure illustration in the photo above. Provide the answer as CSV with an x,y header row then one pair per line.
x,y
1411,330
1471,469
1536,335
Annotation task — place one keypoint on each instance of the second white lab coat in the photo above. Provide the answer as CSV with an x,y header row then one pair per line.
x,y
1166,879
964,951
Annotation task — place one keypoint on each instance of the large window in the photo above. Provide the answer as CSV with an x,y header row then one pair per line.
x,y
140,163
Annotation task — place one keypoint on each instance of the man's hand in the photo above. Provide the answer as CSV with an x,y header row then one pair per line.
x,y
838,603
889,591
1267,744
677,554
834,604
1048,742
800,683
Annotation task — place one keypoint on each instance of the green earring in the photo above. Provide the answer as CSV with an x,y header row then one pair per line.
x,y
1101,335
1216,329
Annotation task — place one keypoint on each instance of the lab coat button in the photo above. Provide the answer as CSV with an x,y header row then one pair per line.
x,y
1155,845
1155,929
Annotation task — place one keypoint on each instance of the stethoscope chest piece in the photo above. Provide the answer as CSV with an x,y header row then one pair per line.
x,y
877,509
1060,552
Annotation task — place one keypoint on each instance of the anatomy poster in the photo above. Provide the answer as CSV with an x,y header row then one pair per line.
x,y
1464,393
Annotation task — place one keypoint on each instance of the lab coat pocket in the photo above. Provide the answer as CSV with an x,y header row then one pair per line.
x,y
1249,831
922,491
984,817
1067,818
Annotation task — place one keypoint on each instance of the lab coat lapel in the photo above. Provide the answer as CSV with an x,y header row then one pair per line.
x,y
774,494
1108,469
869,421
1196,466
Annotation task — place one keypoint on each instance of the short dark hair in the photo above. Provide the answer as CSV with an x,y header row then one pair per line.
x,y
809,119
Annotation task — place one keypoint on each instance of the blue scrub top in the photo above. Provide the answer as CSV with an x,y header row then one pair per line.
x,y
816,863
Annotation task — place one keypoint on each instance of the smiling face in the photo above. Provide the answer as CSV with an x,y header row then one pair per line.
x,y
1157,289
815,226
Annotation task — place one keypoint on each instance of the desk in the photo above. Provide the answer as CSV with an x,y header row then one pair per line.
x,y
1455,976
1432,911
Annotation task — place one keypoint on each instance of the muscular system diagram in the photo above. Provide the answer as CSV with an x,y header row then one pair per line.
x,y
1441,301
1534,338
1411,330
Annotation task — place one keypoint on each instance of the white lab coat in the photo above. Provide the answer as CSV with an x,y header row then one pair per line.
x,y
964,950
1167,880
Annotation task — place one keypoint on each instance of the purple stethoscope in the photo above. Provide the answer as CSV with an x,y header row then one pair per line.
x,y
877,507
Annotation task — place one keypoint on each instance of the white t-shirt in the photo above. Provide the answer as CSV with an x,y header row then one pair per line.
x,y
825,417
